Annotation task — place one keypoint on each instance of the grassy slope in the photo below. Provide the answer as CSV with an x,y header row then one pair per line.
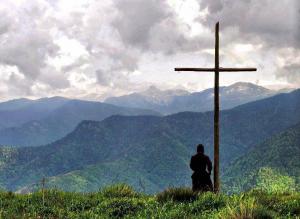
x,y
281,153
121,201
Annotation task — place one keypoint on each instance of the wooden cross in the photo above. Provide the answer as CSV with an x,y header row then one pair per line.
x,y
216,69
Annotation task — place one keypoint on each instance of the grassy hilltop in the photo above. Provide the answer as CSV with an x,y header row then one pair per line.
x,y
121,201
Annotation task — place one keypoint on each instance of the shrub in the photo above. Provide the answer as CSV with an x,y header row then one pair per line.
x,y
120,207
288,206
263,213
49,211
271,181
208,202
177,194
239,207
119,191
282,203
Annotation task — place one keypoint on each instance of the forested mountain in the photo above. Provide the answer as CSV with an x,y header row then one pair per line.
x,y
173,101
279,154
60,121
25,122
14,113
146,151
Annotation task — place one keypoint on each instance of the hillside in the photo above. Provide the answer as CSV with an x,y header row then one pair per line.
x,y
174,101
278,155
60,121
25,122
145,149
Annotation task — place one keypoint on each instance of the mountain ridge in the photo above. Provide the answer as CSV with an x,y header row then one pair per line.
x,y
231,96
17,112
61,121
154,146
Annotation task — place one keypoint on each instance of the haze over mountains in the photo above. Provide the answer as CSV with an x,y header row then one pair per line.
x,y
150,152
25,122
16,112
37,122
173,101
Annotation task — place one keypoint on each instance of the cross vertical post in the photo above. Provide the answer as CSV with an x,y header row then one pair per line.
x,y
216,114
217,69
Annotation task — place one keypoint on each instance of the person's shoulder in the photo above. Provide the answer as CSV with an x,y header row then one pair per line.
x,y
194,156
206,157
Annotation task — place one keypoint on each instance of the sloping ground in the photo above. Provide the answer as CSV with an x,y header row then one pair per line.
x,y
279,155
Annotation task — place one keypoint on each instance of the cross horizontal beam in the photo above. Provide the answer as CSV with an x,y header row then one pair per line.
x,y
214,69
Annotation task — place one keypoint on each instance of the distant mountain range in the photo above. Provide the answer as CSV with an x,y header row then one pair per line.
x,y
148,152
152,98
36,122
14,113
174,101
25,122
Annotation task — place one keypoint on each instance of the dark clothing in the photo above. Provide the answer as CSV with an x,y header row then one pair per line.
x,y
201,165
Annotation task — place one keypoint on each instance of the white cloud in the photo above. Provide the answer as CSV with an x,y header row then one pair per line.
x,y
93,49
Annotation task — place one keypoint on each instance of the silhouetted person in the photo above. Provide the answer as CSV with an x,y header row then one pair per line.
x,y
201,165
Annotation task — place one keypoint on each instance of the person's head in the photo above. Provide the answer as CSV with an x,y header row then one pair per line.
x,y
200,148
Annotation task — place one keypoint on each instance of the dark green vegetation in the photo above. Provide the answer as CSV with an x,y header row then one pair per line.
x,y
278,158
121,201
25,122
174,101
148,152
49,119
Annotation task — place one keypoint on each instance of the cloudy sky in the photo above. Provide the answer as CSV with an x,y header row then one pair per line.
x,y
92,49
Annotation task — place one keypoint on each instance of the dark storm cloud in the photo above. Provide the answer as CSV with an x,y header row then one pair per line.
x,y
27,51
273,24
53,79
298,24
143,27
115,75
168,37
276,23
291,72
25,43
112,78
4,23
153,26
213,6
18,86
103,77
136,18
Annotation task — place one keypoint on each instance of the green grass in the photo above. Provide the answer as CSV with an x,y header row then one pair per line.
x,y
121,201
